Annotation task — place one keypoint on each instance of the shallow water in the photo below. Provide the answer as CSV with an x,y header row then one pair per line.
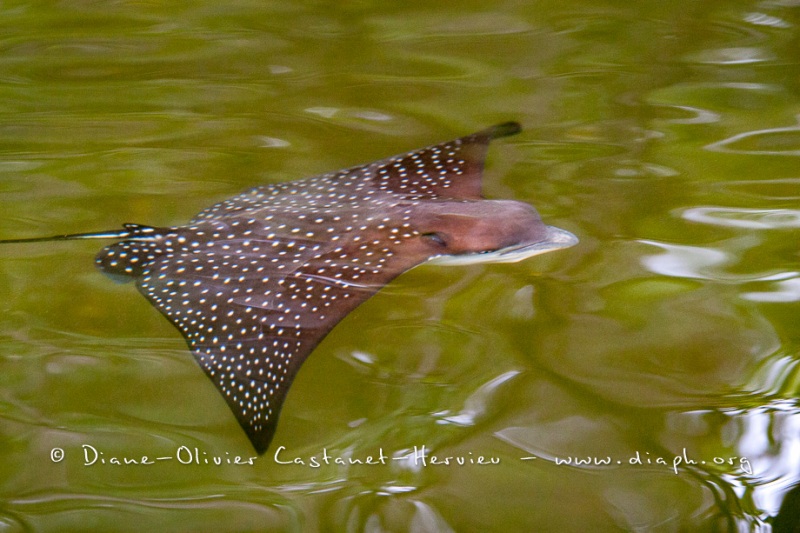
x,y
663,134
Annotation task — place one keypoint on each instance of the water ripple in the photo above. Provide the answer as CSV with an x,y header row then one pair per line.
x,y
476,405
784,291
762,19
683,261
732,56
741,217
770,141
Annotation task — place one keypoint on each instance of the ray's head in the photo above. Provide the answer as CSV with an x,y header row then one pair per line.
x,y
471,227
467,231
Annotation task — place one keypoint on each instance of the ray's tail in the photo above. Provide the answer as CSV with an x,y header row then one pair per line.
x,y
130,231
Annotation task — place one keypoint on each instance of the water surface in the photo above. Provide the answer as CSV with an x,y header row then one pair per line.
x,y
663,349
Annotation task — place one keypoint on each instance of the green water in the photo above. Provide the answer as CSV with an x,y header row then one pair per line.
x,y
663,134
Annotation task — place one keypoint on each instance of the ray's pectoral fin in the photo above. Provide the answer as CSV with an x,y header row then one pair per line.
x,y
250,343
452,169
253,372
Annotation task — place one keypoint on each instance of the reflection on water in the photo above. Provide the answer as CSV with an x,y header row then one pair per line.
x,y
773,141
659,133
786,290
685,261
745,217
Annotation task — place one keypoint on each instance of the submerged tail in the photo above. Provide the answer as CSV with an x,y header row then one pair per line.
x,y
123,260
131,231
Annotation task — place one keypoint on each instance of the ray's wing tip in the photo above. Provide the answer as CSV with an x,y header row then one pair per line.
x,y
505,129
261,440
260,447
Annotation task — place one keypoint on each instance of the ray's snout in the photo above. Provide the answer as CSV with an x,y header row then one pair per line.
x,y
471,227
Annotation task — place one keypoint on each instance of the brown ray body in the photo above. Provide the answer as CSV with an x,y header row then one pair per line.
x,y
255,282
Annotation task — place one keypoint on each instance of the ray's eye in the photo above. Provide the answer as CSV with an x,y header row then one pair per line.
x,y
436,238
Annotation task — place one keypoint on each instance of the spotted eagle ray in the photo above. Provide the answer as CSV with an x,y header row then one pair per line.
x,y
255,282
